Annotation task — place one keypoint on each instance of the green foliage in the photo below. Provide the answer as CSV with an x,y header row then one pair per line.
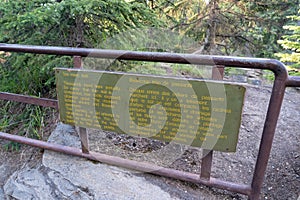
x,y
243,28
24,120
24,117
268,75
31,74
291,43
71,23
12,146
146,39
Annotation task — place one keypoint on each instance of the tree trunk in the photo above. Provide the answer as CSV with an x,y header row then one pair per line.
x,y
210,39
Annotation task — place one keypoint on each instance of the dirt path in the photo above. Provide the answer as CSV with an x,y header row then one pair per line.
x,y
283,175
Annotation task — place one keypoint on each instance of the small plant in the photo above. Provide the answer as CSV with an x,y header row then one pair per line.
x,y
36,121
268,75
30,75
12,146
294,72
8,119
24,120
234,71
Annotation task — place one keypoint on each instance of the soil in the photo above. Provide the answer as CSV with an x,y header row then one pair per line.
x,y
282,180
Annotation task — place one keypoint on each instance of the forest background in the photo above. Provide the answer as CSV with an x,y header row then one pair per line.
x,y
260,28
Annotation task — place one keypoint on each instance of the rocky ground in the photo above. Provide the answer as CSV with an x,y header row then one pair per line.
x,y
18,169
282,178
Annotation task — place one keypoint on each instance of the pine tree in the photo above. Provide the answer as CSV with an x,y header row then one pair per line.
x,y
291,43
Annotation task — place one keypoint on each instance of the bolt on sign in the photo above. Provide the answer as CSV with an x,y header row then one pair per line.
x,y
193,112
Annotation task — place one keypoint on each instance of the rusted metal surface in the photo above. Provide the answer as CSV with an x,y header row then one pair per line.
x,y
218,72
206,164
130,164
267,137
77,60
293,81
29,100
282,80
256,63
84,137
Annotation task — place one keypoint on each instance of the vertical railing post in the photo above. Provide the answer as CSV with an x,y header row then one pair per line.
x,y
267,137
84,138
206,164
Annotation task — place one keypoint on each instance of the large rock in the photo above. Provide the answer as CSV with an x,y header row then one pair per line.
x,y
63,176
1,194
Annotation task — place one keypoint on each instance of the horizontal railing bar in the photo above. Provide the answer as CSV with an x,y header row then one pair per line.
x,y
130,164
29,100
282,80
293,81
258,63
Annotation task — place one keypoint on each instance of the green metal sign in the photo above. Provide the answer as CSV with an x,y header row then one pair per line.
x,y
199,113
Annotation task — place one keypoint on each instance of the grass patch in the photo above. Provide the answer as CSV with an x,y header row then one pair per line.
x,y
23,120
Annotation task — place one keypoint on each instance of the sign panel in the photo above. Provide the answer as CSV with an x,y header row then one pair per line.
x,y
199,113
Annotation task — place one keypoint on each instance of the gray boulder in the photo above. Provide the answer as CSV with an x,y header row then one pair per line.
x,y
63,176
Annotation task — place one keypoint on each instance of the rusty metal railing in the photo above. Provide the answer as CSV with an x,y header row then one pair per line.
x,y
282,80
